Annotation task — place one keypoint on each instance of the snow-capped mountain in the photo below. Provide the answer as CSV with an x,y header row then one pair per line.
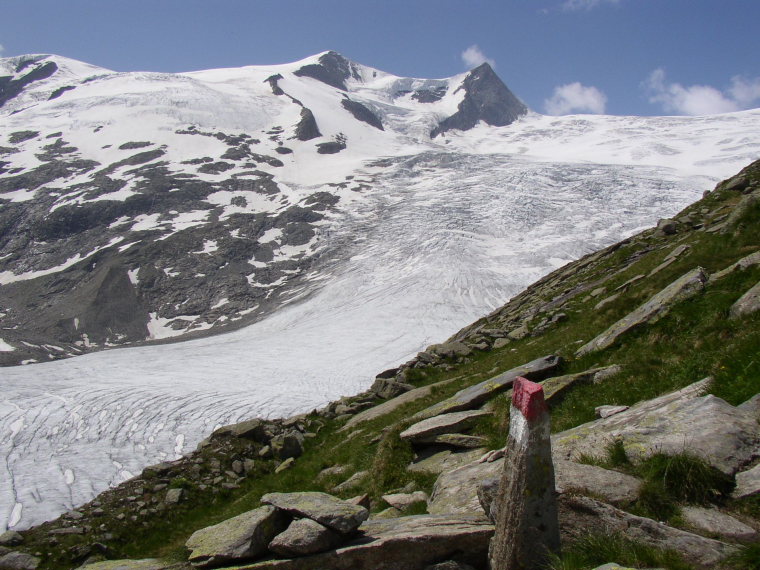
x,y
330,218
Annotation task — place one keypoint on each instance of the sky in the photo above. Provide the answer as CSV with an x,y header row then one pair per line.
x,y
619,57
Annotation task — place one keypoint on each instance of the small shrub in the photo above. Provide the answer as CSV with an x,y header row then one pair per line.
x,y
181,483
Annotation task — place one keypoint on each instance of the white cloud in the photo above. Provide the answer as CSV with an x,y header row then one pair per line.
x,y
577,98
585,4
473,57
701,99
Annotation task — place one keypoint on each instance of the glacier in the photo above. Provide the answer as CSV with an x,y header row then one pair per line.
x,y
446,231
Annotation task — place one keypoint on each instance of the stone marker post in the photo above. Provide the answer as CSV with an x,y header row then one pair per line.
x,y
527,526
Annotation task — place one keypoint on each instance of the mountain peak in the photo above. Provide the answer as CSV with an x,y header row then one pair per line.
x,y
486,99
332,68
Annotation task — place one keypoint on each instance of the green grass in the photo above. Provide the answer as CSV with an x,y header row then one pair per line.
x,y
594,550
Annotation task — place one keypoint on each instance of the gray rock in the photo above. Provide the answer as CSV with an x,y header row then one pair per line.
x,y
403,501
240,538
473,396
302,537
19,561
446,460
250,429
352,482
390,387
500,343
11,538
389,513
460,440
714,522
331,471
330,511
752,260
66,530
519,333
449,565
174,496
406,543
721,434
456,491
667,227
614,487
752,406
392,405
455,422
747,483
658,306
607,411
584,514
286,445
606,301
361,500
287,464
598,291
453,349
747,303
144,564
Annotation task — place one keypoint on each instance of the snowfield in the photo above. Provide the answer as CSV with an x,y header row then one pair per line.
x,y
447,231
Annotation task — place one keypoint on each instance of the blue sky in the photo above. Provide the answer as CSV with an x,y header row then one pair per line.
x,y
624,57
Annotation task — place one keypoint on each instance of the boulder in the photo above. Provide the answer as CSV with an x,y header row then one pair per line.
x,y
453,349
287,464
302,537
144,564
288,444
580,515
403,501
330,511
240,538
747,483
657,307
455,422
174,496
667,227
390,387
473,396
11,538
714,522
352,482
456,491
747,303
254,429
445,460
19,561
612,486
406,543
721,434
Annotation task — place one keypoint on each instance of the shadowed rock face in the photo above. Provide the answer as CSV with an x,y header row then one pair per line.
x,y
362,113
486,99
332,69
10,87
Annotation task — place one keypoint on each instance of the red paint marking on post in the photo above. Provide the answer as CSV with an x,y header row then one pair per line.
x,y
528,397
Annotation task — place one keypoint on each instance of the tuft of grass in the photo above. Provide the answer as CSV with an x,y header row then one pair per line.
x,y
594,550
747,559
687,478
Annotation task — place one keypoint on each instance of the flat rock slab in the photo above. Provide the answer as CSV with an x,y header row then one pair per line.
x,y
460,440
658,306
403,501
407,543
457,491
426,430
302,537
747,483
582,514
714,522
614,487
19,561
473,396
747,303
445,460
751,260
392,405
330,511
144,564
721,434
240,538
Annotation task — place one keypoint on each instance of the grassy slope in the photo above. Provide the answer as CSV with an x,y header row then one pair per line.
x,y
694,341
